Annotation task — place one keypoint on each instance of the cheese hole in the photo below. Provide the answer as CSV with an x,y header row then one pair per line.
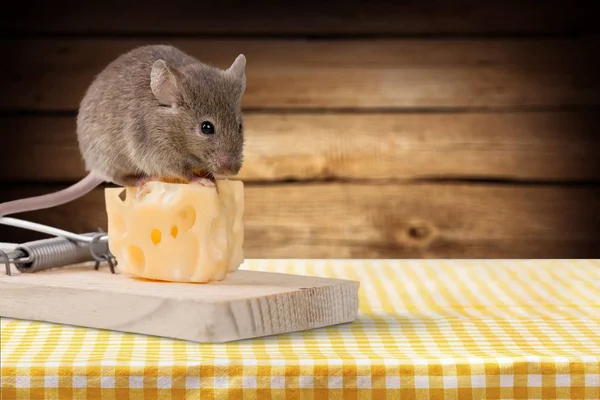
x,y
135,258
156,236
187,218
123,195
174,231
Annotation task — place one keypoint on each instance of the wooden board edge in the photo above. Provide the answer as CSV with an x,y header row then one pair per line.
x,y
185,319
314,308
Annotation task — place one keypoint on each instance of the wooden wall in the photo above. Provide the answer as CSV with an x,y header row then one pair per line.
x,y
464,129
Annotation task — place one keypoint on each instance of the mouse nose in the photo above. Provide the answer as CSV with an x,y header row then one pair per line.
x,y
225,166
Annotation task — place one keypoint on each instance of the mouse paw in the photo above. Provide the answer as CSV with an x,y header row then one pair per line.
x,y
141,186
204,182
141,192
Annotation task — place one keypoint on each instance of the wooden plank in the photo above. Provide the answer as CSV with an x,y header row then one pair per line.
x,y
333,220
380,146
54,74
307,17
247,304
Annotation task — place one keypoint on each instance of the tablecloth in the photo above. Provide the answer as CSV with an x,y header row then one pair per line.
x,y
426,329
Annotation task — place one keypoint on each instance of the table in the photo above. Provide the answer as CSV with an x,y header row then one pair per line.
x,y
426,329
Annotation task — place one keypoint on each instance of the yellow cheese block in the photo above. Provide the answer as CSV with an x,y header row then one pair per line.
x,y
177,232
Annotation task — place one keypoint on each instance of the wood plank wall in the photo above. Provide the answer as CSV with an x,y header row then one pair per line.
x,y
374,129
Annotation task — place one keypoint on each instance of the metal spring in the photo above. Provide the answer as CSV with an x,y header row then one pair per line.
x,y
50,253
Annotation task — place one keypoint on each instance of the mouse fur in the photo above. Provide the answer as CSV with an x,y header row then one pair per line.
x,y
140,119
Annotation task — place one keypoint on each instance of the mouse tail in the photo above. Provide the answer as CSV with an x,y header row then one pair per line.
x,y
79,189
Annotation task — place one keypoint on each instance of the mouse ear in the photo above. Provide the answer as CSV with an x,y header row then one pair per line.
x,y
163,83
238,68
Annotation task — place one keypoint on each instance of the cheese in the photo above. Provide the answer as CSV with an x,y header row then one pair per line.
x,y
177,232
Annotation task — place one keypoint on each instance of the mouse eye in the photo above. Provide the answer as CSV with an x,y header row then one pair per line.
x,y
207,128
241,127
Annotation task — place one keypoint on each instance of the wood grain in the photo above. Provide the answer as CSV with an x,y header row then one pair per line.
x,y
247,304
54,74
332,220
307,17
380,146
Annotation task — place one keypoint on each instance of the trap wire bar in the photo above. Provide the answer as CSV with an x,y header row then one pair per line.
x,y
66,248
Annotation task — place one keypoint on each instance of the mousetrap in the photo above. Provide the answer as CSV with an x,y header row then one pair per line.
x,y
59,280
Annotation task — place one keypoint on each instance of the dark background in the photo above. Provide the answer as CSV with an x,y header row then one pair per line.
x,y
446,129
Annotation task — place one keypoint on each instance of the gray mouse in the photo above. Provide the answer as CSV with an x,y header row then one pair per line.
x,y
155,113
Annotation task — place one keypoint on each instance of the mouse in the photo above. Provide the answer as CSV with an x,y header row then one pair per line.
x,y
155,113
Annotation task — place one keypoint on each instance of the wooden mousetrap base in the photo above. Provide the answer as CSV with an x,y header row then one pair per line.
x,y
247,304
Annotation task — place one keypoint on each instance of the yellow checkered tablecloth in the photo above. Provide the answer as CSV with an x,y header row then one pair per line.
x,y
426,329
